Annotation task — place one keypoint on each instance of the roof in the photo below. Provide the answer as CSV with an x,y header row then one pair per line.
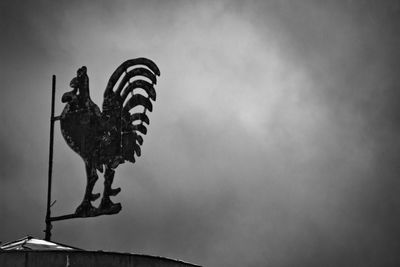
x,y
34,246
31,243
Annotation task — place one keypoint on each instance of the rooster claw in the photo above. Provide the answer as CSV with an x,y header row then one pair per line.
x,y
93,197
108,207
85,209
114,192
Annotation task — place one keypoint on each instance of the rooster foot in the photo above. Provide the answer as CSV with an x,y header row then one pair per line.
x,y
86,209
108,207
114,192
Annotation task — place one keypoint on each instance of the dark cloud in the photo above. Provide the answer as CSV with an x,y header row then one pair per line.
x,y
273,141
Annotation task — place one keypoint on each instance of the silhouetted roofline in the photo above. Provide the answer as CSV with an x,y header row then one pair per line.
x,y
31,243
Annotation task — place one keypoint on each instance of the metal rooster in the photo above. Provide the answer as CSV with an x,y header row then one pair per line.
x,y
105,139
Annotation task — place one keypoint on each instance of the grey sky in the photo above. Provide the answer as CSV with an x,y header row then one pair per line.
x,y
274,139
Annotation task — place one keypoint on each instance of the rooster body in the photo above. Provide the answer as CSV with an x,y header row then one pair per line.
x,y
105,139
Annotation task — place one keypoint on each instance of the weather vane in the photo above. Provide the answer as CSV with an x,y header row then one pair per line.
x,y
104,139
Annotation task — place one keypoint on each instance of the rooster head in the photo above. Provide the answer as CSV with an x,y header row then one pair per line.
x,y
80,84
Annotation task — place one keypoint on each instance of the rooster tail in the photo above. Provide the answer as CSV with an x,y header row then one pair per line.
x,y
127,98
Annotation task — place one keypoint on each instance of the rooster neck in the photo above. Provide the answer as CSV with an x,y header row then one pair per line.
x,y
84,92
84,88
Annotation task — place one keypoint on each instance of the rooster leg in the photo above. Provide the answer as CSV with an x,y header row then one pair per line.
x,y
86,209
106,205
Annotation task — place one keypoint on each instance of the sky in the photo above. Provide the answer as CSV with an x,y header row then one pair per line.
x,y
274,140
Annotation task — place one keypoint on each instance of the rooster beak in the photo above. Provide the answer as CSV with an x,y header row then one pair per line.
x,y
74,83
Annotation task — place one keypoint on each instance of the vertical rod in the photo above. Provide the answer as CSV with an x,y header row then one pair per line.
x,y
48,213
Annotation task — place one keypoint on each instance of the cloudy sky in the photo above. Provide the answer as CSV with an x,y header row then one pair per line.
x,y
274,140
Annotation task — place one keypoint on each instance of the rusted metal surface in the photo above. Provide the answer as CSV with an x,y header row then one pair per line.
x,y
107,138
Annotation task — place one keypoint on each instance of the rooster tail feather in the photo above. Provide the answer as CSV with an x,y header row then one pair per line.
x,y
124,67
141,117
137,100
146,86
132,73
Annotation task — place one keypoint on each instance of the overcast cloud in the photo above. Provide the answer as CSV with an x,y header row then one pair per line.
x,y
274,140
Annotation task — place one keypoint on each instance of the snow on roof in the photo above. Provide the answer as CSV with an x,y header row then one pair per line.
x,y
30,243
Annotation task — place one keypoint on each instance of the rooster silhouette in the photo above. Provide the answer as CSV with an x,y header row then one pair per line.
x,y
105,139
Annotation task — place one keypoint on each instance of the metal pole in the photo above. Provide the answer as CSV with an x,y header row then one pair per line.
x,y
48,213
